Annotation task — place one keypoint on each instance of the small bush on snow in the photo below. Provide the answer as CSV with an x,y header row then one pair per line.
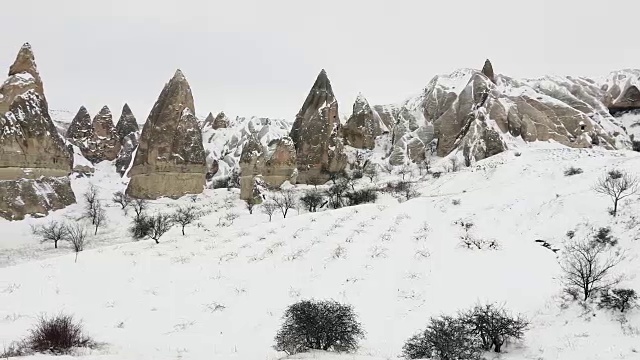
x,y
572,171
604,237
362,196
446,338
319,325
618,299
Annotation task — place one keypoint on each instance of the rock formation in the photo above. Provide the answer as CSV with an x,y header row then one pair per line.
x,y
468,112
34,161
80,132
106,137
128,136
621,91
363,126
319,151
221,121
487,70
273,165
170,159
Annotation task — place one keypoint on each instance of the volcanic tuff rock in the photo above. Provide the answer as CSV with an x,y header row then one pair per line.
x,y
34,161
621,90
468,112
221,121
106,137
128,135
487,70
80,132
126,124
170,160
363,126
274,164
319,151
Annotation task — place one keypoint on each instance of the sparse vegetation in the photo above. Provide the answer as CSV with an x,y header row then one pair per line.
x,y
312,200
445,338
186,215
617,185
94,209
494,326
371,171
618,299
55,231
250,204
122,199
404,189
362,196
286,200
572,171
336,192
77,234
454,164
269,207
319,325
159,224
604,237
139,207
588,268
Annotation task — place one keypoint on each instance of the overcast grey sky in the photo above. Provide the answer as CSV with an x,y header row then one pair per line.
x,y
258,57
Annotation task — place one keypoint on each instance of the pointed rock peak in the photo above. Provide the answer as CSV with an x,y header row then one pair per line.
x,y
25,62
322,81
361,99
82,110
105,111
221,114
179,76
361,105
487,70
126,110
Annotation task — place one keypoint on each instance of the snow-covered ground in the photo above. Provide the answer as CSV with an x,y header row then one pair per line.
x,y
220,291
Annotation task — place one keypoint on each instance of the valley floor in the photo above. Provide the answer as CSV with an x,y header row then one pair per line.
x,y
220,291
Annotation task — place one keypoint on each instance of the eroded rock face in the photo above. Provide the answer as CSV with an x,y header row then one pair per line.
x,y
487,70
274,164
319,150
34,161
106,137
128,136
363,126
80,132
170,159
127,123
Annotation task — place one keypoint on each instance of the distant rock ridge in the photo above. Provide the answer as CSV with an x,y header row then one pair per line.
x,y
319,150
34,160
170,159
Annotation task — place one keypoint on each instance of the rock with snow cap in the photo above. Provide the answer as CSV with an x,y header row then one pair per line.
x,y
315,133
363,126
34,160
170,159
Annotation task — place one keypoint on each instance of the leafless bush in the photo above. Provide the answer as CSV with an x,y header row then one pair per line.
x,y
139,206
53,231
371,171
286,200
122,199
250,204
77,234
454,163
186,215
159,224
617,185
313,199
99,216
588,268
405,170
269,207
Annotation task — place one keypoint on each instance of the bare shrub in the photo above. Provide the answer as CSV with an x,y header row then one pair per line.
x,y
362,196
122,199
336,192
140,227
186,215
403,189
617,185
572,171
99,216
58,335
618,299
286,200
269,207
139,206
588,268
77,234
371,171
454,163
604,237
405,170
53,231
250,204
494,326
446,338
159,224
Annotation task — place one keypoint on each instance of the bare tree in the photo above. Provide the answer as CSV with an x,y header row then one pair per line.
x,y
455,164
494,325
77,234
617,185
587,268
53,231
139,207
99,216
159,224
371,171
315,180
313,199
122,199
405,170
269,207
425,165
250,204
285,200
185,215
91,195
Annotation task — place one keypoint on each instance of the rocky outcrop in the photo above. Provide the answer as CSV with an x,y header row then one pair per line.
x,y
128,136
319,150
80,132
621,91
468,112
221,121
34,161
363,126
273,164
487,70
127,123
107,143
170,159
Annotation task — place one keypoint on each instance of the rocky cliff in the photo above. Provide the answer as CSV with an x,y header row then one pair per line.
x,y
319,150
34,161
364,125
272,164
170,159
128,137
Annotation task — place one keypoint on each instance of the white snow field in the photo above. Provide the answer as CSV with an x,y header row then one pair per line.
x,y
220,291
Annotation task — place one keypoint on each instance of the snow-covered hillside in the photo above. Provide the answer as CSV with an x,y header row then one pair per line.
x,y
219,291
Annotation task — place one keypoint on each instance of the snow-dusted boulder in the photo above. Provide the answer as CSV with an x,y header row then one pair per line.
x,y
170,159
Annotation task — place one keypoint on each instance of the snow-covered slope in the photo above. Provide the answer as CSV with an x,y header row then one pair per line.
x,y
219,291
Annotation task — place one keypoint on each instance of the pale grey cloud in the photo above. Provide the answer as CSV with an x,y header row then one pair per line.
x,y
260,57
